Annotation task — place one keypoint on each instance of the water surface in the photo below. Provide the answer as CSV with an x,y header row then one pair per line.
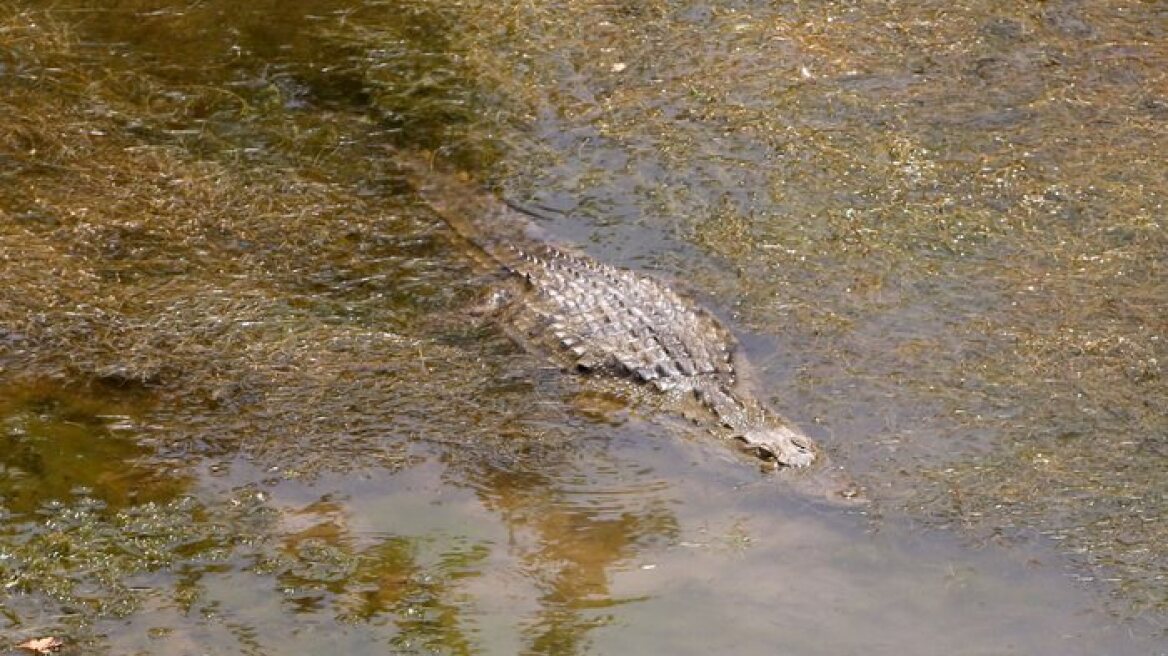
x,y
246,406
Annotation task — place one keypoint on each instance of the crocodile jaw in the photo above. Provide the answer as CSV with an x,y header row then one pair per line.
x,y
787,446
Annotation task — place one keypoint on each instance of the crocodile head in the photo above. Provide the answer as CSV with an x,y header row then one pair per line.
x,y
785,445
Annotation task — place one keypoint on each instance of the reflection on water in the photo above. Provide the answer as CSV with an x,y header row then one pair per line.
x,y
569,535
629,542
58,445
716,559
270,424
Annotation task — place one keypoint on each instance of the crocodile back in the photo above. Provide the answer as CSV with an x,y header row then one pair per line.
x,y
625,324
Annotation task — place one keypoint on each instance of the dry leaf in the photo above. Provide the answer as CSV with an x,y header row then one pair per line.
x,y
42,645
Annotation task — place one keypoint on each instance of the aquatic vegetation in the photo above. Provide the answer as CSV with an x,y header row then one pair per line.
x,y
938,228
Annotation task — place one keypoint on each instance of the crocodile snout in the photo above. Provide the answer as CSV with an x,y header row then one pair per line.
x,y
786,446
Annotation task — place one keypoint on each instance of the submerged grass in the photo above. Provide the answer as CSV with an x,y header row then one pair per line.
x,y
247,276
950,219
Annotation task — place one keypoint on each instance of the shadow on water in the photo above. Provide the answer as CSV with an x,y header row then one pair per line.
x,y
61,444
245,407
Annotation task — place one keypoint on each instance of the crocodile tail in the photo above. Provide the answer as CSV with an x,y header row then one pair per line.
x,y
476,216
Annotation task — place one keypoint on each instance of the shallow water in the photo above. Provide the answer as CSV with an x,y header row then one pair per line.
x,y
247,408
629,542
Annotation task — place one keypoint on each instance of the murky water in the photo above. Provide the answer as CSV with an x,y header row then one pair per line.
x,y
245,406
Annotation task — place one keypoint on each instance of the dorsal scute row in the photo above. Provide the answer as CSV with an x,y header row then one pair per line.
x,y
614,319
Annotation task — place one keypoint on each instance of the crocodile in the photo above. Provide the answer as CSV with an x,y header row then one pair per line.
x,y
607,321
